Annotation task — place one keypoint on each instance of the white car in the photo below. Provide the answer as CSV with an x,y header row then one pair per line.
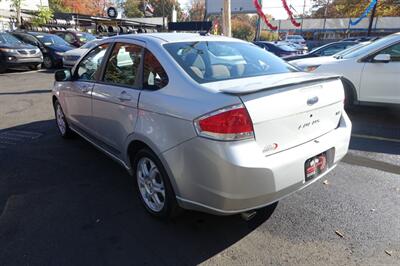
x,y
370,74
296,41
71,57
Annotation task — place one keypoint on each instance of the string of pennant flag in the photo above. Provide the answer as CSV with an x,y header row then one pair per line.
x,y
257,4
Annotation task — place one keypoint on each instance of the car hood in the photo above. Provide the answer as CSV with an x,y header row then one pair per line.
x,y
77,52
17,46
253,84
60,48
314,61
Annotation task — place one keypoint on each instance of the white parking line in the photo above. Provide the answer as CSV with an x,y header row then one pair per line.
x,y
24,72
375,138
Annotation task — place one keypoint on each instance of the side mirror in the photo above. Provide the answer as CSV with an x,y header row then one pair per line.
x,y
63,75
382,58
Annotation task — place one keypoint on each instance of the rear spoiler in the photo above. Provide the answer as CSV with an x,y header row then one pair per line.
x,y
281,84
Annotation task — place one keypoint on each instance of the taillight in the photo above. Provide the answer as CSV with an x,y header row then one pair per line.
x,y
230,123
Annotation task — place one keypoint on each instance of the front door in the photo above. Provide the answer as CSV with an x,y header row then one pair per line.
x,y
78,96
380,81
115,97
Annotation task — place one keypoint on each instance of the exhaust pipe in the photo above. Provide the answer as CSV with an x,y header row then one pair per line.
x,y
247,216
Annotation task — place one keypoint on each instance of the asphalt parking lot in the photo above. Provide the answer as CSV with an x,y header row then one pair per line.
x,y
65,203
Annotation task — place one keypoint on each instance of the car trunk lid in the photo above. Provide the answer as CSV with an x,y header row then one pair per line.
x,y
292,110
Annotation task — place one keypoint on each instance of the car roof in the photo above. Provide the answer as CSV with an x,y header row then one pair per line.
x,y
36,33
174,37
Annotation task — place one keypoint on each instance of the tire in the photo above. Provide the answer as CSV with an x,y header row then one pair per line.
x,y
153,186
61,121
47,62
35,67
2,69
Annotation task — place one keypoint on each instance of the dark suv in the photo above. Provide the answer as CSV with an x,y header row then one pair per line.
x,y
14,53
52,46
75,38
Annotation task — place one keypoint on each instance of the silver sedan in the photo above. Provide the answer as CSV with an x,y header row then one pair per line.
x,y
206,123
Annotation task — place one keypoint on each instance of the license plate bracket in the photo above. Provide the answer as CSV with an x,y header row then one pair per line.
x,y
315,166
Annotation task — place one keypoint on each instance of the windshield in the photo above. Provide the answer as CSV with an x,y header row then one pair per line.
x,y
351,49
371,47
214,61
287,48
85,37
50,40
89,45
6,38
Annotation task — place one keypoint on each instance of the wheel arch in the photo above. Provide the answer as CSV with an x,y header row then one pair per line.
x,y
137,142
350,88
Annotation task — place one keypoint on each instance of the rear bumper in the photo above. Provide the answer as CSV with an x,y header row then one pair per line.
x,y
232,177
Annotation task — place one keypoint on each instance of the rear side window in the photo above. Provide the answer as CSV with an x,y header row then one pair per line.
x,y
154,75
123,64
89,67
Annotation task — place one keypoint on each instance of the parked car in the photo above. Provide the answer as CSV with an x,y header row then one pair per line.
x,y
371,73
52,46
14,53
75,38
197,127
297,41
278,50
361,39
71,57
325,50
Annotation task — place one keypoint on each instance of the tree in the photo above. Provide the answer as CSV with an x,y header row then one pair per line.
x,y
59,6
242,28
133,8
168,5
44,16
197,10
87,7
17,5
353,8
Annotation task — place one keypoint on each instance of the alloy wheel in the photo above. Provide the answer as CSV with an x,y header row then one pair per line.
x,y
60,120
151,185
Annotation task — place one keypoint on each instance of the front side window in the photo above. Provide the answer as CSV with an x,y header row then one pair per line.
x,y
393,51
213,61
89,67
154,75
123,64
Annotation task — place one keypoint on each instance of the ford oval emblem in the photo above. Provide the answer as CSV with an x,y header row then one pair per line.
x,y
312,101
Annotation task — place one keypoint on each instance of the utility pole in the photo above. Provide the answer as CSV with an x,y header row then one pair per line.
x,y
163,15
226,18
325,15
371,19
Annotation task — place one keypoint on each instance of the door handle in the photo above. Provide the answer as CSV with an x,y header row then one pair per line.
x,y
124,97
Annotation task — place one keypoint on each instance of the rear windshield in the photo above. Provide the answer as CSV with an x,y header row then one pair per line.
x,y
214,61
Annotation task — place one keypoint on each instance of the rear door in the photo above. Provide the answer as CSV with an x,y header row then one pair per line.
x,y
115,97
380,81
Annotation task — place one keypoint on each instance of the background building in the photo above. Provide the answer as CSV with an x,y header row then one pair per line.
x,y
8,14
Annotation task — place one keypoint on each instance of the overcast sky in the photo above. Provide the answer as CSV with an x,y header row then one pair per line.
x,y
273,7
